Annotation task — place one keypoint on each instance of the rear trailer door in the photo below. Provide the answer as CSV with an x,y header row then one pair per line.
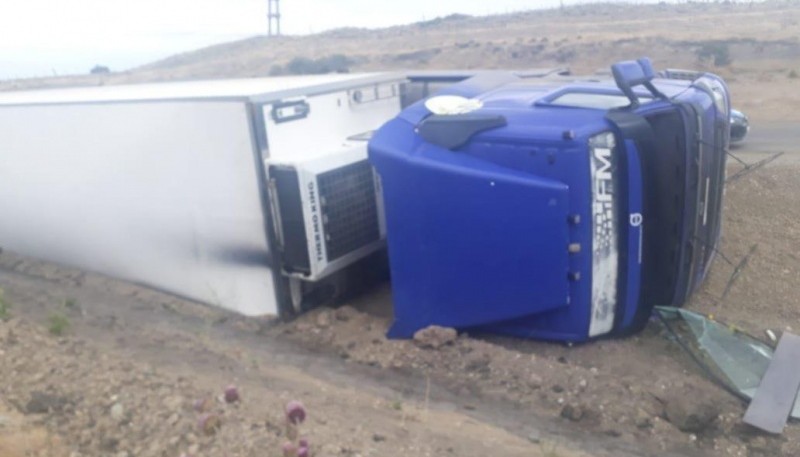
x,y
470,243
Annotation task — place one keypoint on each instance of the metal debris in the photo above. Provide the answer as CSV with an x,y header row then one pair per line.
x,y
733,359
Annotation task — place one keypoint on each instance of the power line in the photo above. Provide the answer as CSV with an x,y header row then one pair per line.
x,y
274,18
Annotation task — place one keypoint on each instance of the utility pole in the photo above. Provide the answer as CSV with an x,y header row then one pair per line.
x,y
274,17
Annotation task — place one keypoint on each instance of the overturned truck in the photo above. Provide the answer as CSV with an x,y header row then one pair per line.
x,y
534,203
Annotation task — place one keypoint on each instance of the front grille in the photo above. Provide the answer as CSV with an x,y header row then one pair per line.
x,y
349,208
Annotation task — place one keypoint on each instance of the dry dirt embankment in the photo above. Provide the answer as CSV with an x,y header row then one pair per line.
x,y
125,382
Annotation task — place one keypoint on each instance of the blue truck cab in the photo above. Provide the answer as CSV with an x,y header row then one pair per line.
x,y
554,208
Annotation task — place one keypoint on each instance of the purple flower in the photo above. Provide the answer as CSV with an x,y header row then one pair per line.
x,y
209,423
295,412
201,405
231,394
289,450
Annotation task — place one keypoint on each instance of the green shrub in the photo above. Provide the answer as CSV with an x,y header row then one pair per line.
x,y
99,70
276,70
336,63
717,51
5,308
57,324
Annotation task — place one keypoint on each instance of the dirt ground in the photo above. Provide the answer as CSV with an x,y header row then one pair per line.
x,y
123,377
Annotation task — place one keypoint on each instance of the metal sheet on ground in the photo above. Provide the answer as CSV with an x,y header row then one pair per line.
x,y
776,394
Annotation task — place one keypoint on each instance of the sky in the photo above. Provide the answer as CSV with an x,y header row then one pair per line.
x,y
57,37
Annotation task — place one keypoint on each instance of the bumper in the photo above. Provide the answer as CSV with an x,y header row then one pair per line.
x,y
739,132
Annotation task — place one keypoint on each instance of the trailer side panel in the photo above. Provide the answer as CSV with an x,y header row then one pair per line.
x,y
160,193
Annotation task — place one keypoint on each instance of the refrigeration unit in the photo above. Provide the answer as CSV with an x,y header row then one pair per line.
x,y
327,212
254,195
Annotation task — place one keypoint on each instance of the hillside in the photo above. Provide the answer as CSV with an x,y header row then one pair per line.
x,y
743,42
584,37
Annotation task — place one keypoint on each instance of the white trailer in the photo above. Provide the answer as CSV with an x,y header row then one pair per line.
x,y
252,195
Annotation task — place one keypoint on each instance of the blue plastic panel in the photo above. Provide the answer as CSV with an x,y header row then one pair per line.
x,y
633,72
470,243
635,234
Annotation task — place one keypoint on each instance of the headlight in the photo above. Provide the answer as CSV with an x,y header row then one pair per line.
x,y
605,242
717,92
719,99
738,117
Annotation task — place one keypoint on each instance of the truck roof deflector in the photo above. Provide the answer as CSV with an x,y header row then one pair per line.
x,y
453,131
631,73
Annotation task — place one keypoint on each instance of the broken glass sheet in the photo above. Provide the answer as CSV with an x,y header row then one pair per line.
x,y
734,358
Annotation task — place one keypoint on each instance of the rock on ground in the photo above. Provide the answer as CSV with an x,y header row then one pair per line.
x,y
435,336
690,413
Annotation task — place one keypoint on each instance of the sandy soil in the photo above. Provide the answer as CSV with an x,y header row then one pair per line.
x,y
124,379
